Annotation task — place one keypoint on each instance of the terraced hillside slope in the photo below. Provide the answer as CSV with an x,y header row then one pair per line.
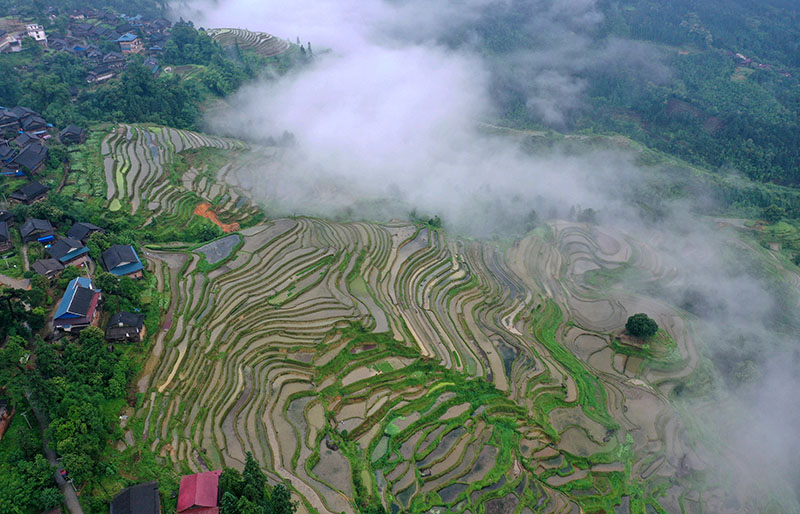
x,y
390,363
262,43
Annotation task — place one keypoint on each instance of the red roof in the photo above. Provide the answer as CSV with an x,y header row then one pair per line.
x,y
199,493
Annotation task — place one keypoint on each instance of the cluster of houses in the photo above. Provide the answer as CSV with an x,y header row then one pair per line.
x,y
198,494
23,134
135,35
88,30
78,307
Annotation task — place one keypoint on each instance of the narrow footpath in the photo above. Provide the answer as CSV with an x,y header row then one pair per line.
x,y
70,496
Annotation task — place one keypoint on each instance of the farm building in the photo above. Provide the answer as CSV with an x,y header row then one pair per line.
x,y
137,499
72,135
29,193
5,238
199,493
69,252
126,326
122,260
48,268
35,229
83,231
78,307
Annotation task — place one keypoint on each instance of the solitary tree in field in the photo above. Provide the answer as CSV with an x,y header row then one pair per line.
x,y
641,325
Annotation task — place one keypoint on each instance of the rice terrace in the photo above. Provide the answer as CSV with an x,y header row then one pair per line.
x,y
463,257
394,363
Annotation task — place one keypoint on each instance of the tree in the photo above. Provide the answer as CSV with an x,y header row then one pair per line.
x,y
773,213
255,482
230,483
108,283
280,501
641,325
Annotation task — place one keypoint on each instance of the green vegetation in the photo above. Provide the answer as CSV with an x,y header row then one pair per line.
x,y
248,493
641,325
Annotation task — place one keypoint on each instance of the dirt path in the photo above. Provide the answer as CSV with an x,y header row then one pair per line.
x,y
70,496
16,283
204,210
64,176
25,265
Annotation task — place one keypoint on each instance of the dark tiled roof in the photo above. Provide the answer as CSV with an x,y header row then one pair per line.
x,y
82,230
25,139
4,234
28,192
119,255
46,266
5,151
33,224
81,301
139,499
32,156
63,246
72,133
33,122
127,319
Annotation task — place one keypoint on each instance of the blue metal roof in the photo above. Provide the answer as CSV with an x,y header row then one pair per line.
x,y
127,269
73,254
127,38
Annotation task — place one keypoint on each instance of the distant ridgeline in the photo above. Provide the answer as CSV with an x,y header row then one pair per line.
x,y
38,7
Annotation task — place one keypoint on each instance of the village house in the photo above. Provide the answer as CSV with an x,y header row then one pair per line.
x,y
6,243
82,231
126,326
78,307
6,152
130,43
72,135
32,158
7,216
122,260
35,229
25,139
137,499
199,493
69,252
5,40
47,268
99,74
37,32
29,193
114,60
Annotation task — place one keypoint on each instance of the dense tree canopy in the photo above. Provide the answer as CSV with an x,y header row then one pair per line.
x,y
641,325
248,493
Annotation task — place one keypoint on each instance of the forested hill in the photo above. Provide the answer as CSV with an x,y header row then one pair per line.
x,y
39,7
734,97
664,73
